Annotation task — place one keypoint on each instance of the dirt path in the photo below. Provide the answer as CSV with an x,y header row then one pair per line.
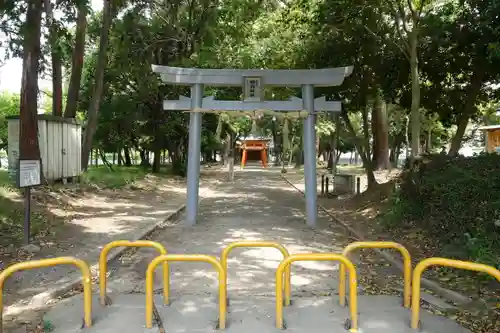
x,y
96,218
258,206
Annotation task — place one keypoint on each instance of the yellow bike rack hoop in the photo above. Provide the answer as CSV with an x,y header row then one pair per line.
x,y
426,263
241,244
352,323
42,263
189,258
103,265
378,245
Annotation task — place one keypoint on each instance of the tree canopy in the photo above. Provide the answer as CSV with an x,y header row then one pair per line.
x,y
423,70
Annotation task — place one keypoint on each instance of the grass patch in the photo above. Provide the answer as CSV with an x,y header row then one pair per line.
x,y
12,213
351,169
5,180
104,177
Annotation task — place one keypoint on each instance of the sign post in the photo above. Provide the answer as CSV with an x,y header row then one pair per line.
x,y
29,174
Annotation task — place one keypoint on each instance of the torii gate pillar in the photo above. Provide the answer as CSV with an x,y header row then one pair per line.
x,y
310,155
194,151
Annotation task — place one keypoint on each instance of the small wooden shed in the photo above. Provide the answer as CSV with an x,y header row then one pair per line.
x,y
492,134
60,141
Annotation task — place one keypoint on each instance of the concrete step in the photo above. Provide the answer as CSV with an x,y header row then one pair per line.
x,y
199,313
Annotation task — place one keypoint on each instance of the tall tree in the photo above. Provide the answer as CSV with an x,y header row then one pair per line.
x,y
380,130
93,112
28,144
77,61
460,60
406,17
478,36
55,54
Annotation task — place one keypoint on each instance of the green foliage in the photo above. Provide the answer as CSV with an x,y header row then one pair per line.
x,y
9,106
12,213
48,326
103,177
489,112
459,56
457,200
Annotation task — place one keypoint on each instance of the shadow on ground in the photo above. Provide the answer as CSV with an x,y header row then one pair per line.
x,y
79,223
259,205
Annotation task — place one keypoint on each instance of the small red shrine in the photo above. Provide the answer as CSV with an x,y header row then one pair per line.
x,y
254,149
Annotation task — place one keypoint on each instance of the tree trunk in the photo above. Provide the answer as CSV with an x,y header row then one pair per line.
x,y
227,149
120,158
276,144
56,62
380,130
155,108
330,156
156,160
415,93
28,132
365,157
128,160
336,143
157,145
144,157
365,141
396,148
76,62
407,136
428,142
93,112
467,111
104,159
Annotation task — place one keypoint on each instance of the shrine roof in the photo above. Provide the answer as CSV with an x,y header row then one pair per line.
x,y
255,137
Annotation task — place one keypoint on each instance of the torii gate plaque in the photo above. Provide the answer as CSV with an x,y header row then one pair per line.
x,y
253,81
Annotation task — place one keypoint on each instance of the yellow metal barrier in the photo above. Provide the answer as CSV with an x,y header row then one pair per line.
x,y
86,281
424,264
351,324
191,258
278,246
379,245
125,243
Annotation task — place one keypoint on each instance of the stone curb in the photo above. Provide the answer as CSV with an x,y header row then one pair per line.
x,y
41,300
435,287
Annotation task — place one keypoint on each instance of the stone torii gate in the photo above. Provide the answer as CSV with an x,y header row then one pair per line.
x,y
253,82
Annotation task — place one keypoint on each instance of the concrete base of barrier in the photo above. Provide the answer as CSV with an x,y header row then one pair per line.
x,y
380,314
67,314
198,313
195,313
126,314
